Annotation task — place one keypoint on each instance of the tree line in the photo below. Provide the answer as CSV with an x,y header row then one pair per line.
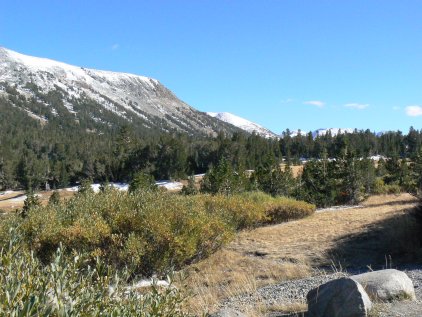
x,y
63,152
323,182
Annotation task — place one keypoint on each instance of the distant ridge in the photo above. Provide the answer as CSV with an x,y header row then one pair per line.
x,y
243,124
332,131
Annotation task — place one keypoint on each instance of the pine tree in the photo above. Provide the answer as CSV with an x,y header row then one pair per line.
x,y
190,188
32,200
54,198
142,181
85,187
224,179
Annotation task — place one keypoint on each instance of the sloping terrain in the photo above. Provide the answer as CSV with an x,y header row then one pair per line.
x,y
375,235
243,124
43,88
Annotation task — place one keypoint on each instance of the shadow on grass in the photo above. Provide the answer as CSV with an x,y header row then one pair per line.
x,y
390,203
385,244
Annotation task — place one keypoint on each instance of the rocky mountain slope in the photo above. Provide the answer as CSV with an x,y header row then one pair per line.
x,y
43,88
243,124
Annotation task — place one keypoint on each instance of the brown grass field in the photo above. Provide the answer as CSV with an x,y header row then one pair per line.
x,y
11,202
301,248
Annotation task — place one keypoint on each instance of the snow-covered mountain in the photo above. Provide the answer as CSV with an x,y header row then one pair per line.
x,y
243,124
333,131
295,133
322,132
63,89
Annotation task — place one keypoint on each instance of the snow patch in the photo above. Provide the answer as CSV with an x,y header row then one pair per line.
x,y
242,123
169,185
96,187
7,192
21,198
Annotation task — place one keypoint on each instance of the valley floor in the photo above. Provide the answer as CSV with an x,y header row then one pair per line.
x,y
268,270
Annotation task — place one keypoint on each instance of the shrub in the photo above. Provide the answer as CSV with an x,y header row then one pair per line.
x,y
69,287
280,209
285,209
380,188
239,211
153,230
157,230
251,209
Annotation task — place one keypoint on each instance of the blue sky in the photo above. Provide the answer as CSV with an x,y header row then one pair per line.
x,y
284,64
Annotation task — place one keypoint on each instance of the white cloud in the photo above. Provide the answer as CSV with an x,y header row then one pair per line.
x,y
359,106
315,103
414,111
115,47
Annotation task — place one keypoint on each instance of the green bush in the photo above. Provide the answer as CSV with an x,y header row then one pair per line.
x,y
251,209
153,230
380,188
157,230
285,209
239,211
280,209
69,287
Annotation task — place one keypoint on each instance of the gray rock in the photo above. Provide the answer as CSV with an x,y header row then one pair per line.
x,y
386,285
228,313
343,297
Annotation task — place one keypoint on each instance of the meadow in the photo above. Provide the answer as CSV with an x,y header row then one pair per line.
x,y
116,238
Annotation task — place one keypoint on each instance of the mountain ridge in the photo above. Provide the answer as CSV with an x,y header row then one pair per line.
x,y
243,124
140,100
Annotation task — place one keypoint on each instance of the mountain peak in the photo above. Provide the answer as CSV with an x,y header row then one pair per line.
x,y
243,124
137,99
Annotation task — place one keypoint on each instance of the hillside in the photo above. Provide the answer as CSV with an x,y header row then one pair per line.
x,y
243,124
99,100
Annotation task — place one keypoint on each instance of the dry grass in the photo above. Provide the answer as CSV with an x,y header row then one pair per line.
x,y
11,202
308,240
296,169
286,251
229,273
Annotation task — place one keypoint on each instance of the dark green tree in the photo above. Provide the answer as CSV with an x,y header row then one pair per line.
x,y
54,198
224,179
190,188
142,181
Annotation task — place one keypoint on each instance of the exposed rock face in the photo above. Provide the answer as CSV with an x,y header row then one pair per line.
x,y
386,285
343,297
